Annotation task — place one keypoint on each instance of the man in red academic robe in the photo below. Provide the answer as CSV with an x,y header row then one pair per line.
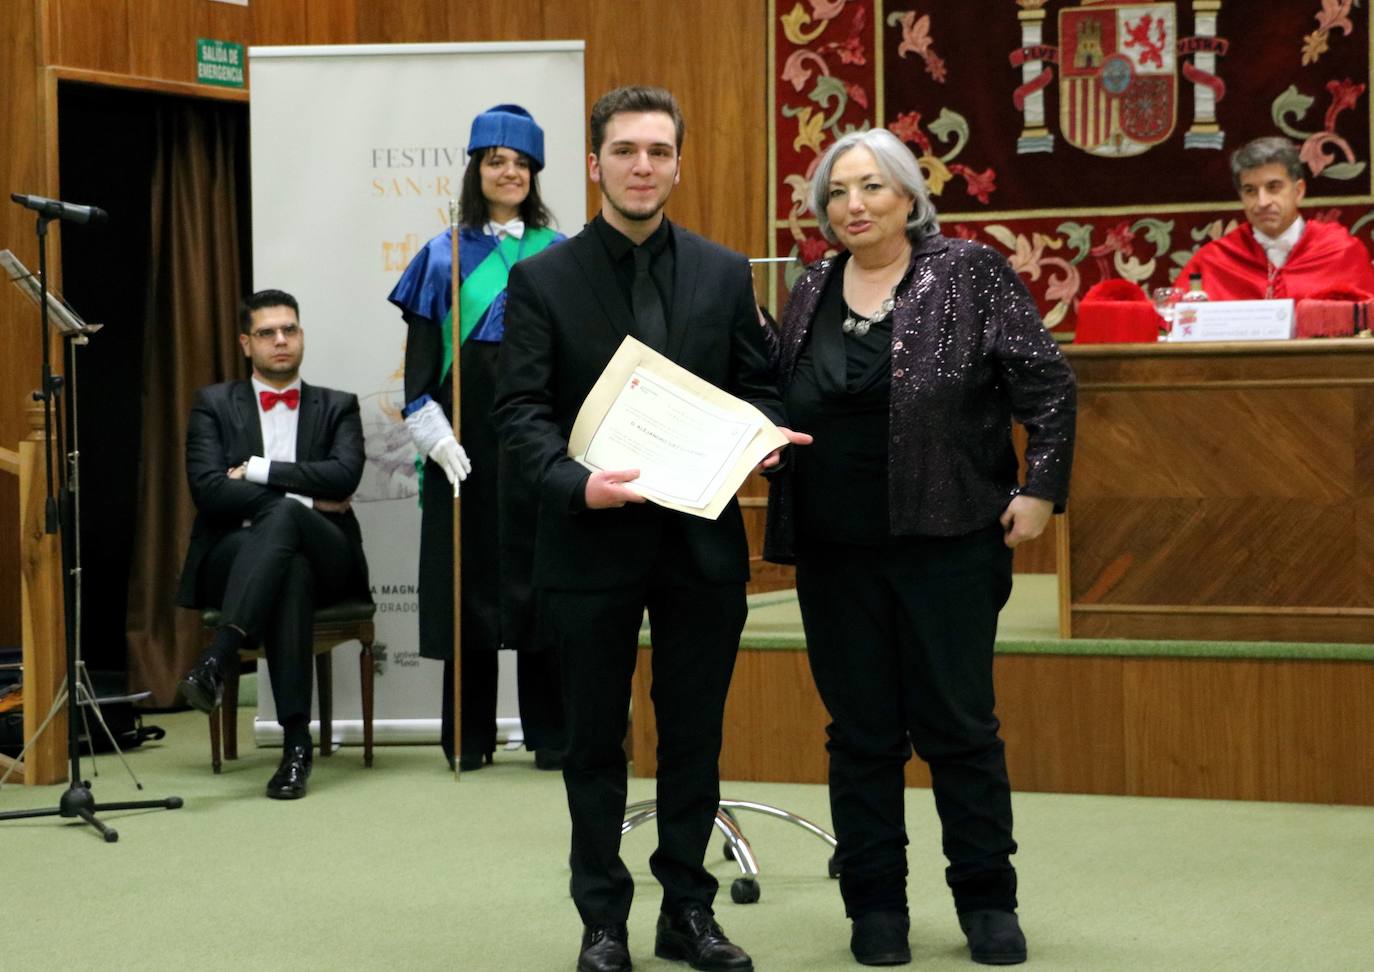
x,y
1277,253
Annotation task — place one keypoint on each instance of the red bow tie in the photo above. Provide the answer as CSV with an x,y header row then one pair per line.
x,y
291,398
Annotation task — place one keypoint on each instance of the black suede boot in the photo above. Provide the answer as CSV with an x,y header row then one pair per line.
x,y
881,938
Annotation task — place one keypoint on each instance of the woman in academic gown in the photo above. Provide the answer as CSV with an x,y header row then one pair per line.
x,y
503,221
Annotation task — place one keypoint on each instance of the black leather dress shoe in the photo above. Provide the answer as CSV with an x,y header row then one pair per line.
x,y
690,934
203,686
473,761
288,782
881,938
605,948
548,758
994,937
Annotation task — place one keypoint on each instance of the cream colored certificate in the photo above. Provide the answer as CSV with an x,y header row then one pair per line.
x,y
692,443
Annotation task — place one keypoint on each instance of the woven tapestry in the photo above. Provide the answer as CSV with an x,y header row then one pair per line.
x,y
1085,139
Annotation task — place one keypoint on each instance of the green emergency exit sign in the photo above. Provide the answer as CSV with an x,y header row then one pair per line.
x,y
219,62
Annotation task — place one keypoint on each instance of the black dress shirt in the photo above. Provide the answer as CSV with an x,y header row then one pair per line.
x,y
620,247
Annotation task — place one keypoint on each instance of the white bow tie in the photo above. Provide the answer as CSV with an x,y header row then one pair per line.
x,y
515,228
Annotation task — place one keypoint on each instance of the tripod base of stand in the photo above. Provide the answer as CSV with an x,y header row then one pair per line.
x,y
79,803
745,888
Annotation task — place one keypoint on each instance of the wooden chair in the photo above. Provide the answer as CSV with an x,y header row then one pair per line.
x,y
334,625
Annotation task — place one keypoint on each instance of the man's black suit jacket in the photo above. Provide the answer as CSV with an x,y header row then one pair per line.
x,y
224,431
565,317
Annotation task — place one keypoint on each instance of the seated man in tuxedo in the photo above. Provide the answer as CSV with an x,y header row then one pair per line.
x,y
272,463
1277,253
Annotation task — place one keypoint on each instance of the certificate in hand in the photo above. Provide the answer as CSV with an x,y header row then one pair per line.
x,y
692,443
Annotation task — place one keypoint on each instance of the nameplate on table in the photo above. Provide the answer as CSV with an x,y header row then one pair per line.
x,y
1233,320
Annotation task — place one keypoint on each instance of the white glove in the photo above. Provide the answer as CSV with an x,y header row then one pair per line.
x,y
433,437
452,460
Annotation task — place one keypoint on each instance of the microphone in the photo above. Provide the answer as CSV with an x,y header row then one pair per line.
x,y
56,209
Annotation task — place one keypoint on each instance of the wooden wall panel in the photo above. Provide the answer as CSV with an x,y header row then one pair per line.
x,y
513,20
331,22
275,22
1322,718
1061,721
1196,728
403,21
23,168
226,21
162,38
92,34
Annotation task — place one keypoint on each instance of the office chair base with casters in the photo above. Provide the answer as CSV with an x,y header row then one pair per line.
x,y
745,888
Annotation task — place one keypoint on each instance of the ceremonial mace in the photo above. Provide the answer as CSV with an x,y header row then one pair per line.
x,y
456,371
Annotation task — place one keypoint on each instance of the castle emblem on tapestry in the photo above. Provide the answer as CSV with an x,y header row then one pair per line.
x,y
1119,84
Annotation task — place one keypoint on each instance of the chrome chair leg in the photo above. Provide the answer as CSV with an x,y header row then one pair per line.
x,y
745,888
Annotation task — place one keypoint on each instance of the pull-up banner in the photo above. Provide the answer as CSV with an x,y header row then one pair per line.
x,y
356,152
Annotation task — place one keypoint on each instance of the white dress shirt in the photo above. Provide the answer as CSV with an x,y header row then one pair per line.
x,y
278,436
1277,248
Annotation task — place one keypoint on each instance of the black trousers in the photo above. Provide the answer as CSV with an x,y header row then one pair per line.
x,y
480,673
900,640
267,580
537,689
696,629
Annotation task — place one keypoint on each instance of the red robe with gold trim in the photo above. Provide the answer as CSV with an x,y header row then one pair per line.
x,y
1235,267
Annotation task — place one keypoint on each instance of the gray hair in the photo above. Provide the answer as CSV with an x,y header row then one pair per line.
x,y
1266,151
897,165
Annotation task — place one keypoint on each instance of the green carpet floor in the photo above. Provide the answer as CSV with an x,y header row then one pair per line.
x,y
400,867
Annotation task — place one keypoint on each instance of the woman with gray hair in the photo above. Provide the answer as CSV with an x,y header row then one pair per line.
x,y
907,357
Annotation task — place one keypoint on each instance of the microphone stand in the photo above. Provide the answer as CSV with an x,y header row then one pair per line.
x,y
59,517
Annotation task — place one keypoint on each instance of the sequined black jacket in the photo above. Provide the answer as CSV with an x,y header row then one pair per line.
x,y
969,354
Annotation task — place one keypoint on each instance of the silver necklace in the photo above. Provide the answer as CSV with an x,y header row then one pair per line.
x,y
858,325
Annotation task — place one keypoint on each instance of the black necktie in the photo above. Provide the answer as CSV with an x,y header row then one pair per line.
x,y
648,304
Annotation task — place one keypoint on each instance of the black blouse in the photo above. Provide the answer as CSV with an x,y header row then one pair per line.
x,y
840,394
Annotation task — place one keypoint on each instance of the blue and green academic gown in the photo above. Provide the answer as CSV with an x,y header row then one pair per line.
x,y
497,558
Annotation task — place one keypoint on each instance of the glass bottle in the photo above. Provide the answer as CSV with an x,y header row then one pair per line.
x,y
1194,292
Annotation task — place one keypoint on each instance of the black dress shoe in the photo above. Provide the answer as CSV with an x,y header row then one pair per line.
x,y
473,761
605,948
203,686
881,938
994,937
690,934
288,782
548,758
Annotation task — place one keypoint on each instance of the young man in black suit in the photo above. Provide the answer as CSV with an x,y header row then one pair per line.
x,y
272,463
603,555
